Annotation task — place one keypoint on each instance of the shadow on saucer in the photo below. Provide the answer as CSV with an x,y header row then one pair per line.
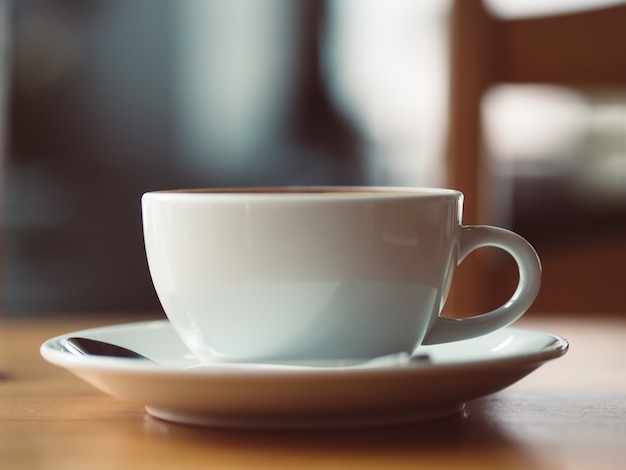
x,y
442,443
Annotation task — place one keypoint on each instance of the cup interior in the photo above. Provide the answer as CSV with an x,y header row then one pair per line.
x,y
320,190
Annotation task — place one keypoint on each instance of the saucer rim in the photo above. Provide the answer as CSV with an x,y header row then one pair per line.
x,y
53,352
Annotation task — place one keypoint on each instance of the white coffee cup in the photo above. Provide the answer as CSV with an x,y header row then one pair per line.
x,y
259,274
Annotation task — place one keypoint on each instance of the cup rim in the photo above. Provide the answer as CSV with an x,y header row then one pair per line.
x,y
307,192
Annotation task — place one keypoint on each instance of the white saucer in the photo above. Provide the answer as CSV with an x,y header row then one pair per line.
x,y
299,396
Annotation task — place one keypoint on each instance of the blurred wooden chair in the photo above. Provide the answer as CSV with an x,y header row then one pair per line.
x,y
585,50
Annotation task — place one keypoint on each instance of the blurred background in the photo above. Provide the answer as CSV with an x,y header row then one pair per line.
x,y
107,99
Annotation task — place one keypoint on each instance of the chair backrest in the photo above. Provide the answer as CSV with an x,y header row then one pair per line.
x,y
585,49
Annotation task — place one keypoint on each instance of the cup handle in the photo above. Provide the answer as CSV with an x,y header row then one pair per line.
x,y
478,236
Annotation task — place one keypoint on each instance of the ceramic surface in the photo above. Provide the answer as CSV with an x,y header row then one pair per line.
x,y
180,388
318,272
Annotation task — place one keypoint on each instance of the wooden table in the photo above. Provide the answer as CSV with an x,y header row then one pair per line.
x,y
569,414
